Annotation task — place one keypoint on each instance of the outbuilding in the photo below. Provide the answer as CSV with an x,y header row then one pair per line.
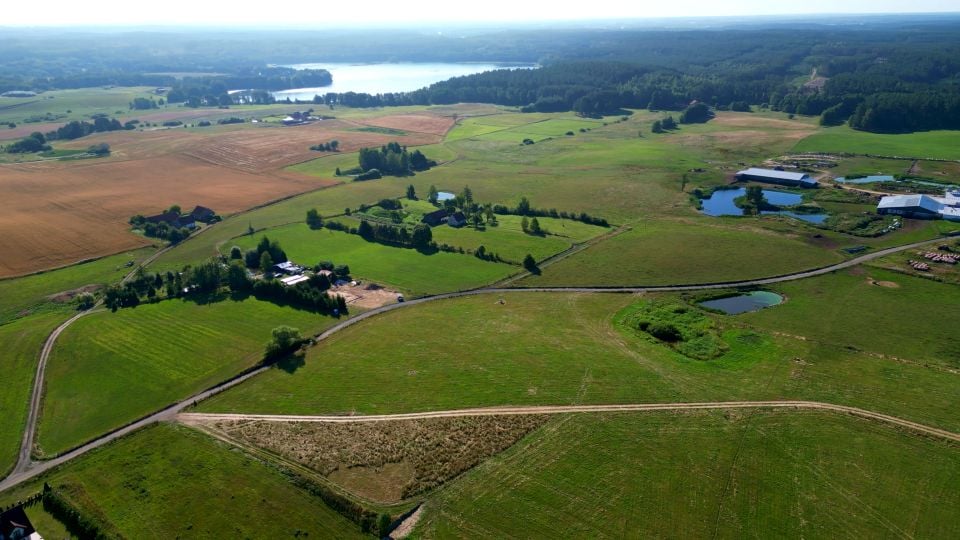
x,y
911,206
783,178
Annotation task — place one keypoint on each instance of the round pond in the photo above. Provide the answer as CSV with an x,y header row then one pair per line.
x,y
744,303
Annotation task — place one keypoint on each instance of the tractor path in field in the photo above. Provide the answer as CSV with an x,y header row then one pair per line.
x,y
26,468
208,418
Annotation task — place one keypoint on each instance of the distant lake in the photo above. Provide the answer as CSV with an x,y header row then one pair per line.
x,y
385,78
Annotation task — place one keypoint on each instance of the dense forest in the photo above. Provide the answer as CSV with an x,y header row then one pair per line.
x,y
884,74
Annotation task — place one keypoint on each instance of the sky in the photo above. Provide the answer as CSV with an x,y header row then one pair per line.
x,y
318,13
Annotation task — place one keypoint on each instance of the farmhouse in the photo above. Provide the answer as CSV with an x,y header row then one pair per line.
x,y
457,220
203,214
782,178
14,525
435,218
173,219
288,268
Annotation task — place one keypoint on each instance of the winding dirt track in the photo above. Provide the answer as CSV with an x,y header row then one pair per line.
x,y
26,468
203,418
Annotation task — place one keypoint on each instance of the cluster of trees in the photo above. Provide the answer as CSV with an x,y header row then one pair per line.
x,y
264,256
142,104
524,208
420,238
162,230
697,113
314,220
661,126
531,226
82,128
332,146
393,159
35,142
76,522
902,113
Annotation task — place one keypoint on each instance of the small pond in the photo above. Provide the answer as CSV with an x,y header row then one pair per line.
x,y
721,204
744,303
445,196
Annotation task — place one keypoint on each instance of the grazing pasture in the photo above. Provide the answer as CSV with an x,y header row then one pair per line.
x,y
679,253
111,368
403,268
478,351
928,144
166,481
708,474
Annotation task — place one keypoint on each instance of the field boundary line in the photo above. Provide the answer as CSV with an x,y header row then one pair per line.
x,y
202,418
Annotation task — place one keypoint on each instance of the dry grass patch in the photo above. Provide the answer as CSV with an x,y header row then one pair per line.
x,y
421,123
392,460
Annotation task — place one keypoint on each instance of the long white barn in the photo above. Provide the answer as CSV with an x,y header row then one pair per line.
x,y
922,206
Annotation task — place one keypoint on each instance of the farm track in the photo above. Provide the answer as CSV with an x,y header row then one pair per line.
x,y
206,418
26,468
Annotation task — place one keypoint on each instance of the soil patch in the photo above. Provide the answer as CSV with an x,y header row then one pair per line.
x,y
67,296
366,296
884,284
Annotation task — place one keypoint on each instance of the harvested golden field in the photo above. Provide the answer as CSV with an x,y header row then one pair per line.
x,y
386,461
60,213
265,148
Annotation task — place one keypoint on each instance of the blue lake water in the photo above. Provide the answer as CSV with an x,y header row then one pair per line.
x,y
445,196
384,78
744,303
721,204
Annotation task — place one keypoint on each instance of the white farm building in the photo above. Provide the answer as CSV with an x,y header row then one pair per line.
x,y
922,206
783,178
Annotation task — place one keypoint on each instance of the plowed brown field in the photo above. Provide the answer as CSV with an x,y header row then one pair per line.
x,y
59,212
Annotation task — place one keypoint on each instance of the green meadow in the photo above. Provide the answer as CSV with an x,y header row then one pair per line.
x,y
25,295
407,269
567,349
22,340
678,253
929,144
111,368
168,481
709,474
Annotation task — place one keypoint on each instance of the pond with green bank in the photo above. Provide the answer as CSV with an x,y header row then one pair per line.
x,y
744,303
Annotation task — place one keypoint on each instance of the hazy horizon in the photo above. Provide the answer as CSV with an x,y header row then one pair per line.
x,y
378,13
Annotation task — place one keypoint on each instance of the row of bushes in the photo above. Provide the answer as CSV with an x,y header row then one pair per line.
x,y
526,210
77,523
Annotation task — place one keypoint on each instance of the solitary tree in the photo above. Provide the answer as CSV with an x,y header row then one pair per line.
x,y
530,264
314,221
422,236
236,253
657,127
434,195
411,193
285,339
525,224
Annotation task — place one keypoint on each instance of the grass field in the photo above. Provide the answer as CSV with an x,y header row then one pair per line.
x,y
474,352
510,242
910,318
677,253
21,341
111,368
929,144
29,294
406,269
167,481
717,475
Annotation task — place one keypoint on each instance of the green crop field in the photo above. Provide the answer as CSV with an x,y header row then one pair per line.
x,y
930,144
406,269
717,475
22,340
677,253
111,368
167,481
476,351
25,295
